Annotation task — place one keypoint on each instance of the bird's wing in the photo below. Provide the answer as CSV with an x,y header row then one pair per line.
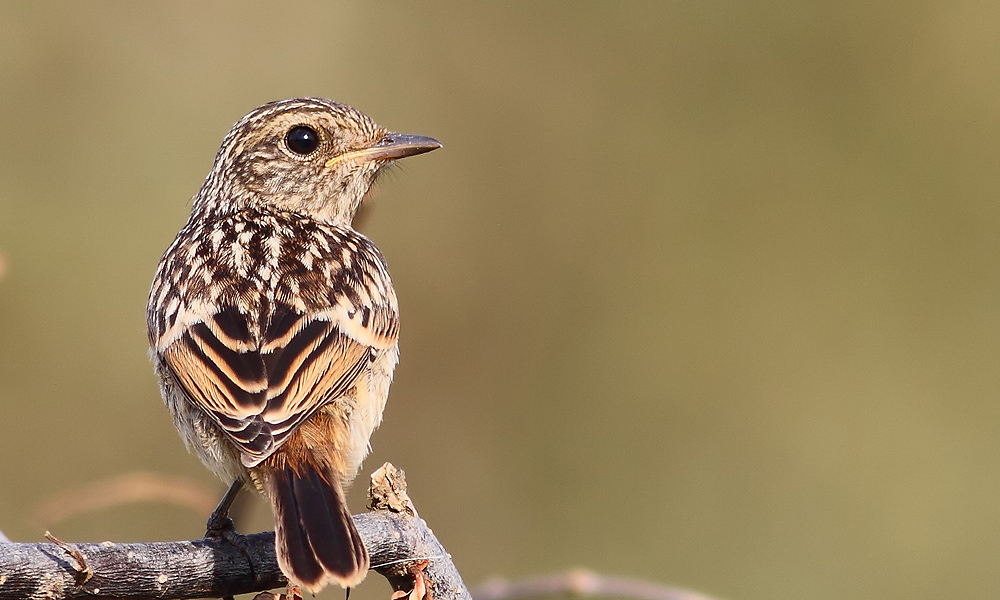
x,y
260,370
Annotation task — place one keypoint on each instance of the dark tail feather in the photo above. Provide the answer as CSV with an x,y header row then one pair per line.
x,y
315,538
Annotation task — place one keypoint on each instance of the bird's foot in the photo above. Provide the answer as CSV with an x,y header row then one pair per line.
x,y
223,528
220,526
219,522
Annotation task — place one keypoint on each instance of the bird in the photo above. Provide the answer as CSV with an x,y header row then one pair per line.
x,y
273,325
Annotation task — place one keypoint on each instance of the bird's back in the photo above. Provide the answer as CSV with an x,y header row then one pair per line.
x,y
248,309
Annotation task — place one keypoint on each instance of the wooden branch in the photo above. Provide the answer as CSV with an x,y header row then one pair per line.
x,y
398,543
424,556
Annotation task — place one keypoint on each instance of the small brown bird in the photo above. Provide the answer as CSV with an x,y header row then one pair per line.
x,y
273,324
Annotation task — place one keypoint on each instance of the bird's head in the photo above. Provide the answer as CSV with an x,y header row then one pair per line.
x,y
311,156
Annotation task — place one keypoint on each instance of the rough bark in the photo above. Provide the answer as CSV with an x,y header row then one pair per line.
x,y
398,541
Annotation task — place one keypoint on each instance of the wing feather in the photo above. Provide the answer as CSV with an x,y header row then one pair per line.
x,y
260,356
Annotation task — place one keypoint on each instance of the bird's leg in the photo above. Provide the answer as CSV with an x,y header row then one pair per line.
x,y
219,524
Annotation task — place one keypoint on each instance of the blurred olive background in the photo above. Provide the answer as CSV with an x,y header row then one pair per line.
x,y
700,292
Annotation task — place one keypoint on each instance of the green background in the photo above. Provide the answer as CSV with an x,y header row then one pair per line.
x,y
700,292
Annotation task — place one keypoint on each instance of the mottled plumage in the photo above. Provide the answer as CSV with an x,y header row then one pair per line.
x,y
273,324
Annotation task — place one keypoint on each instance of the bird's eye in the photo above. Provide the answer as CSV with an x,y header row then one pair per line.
x,y
302,140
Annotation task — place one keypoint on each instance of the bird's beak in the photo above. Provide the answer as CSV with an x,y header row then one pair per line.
x,y
390,147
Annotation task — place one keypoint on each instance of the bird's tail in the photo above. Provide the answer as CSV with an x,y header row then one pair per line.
x,y
315,539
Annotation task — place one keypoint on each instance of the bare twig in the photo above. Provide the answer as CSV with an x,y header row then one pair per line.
x,y
427,564
83,572
388,491
580,582
213,568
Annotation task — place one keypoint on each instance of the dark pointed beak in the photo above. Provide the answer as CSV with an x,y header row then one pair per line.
x,y
401,145
392,146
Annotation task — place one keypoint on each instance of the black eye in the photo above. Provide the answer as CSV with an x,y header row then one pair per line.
x,y
302,140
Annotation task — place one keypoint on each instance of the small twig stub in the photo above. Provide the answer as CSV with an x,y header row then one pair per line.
x,y
388,491
83,570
